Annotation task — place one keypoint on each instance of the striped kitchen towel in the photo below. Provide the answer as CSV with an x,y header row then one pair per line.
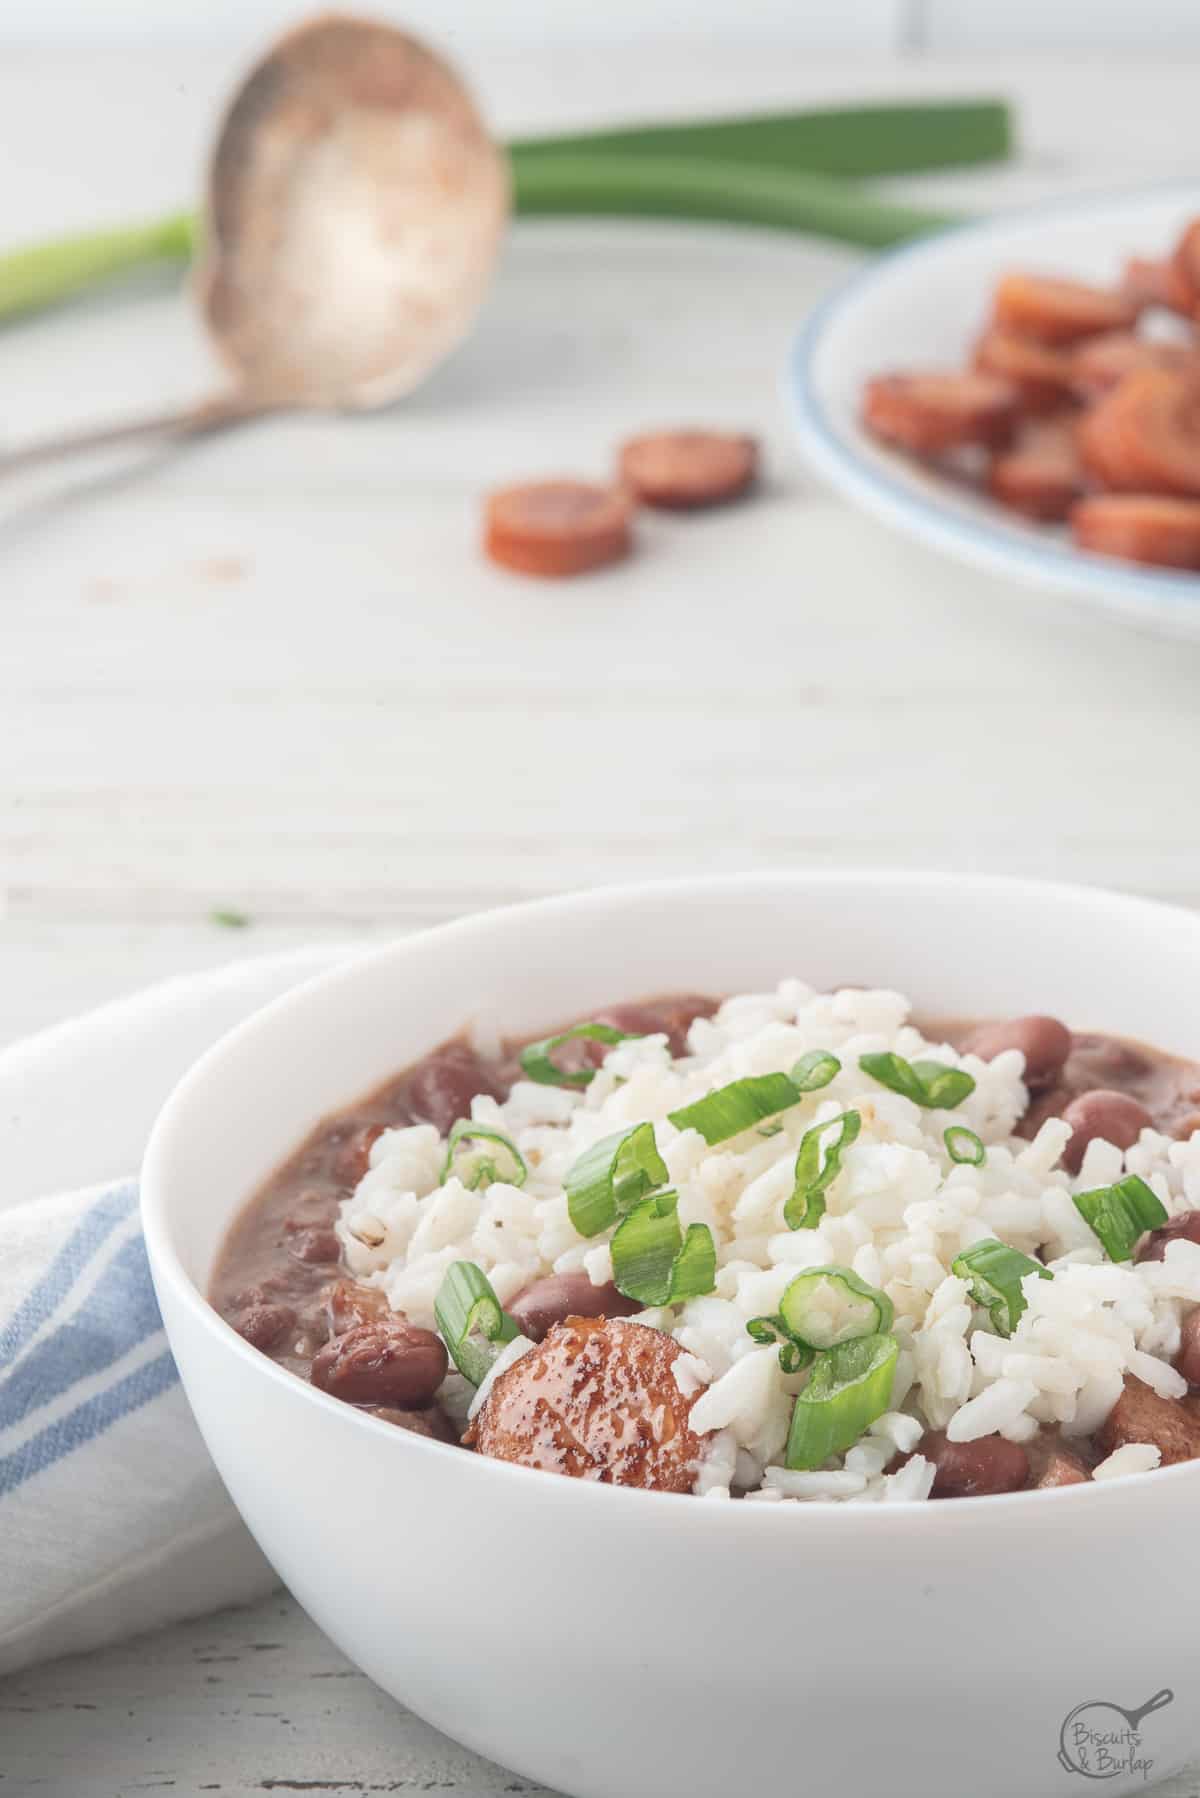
x,y
112,1517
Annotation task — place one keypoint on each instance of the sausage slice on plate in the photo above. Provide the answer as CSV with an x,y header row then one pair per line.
x,y
1057,311
597,1400
932,413
1140,527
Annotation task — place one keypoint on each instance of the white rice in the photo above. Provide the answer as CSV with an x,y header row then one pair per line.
x,y
898,1213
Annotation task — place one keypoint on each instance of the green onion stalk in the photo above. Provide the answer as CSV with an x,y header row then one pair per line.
x,y
784,171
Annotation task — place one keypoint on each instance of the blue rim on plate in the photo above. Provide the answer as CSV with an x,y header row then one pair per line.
x,y
1136,593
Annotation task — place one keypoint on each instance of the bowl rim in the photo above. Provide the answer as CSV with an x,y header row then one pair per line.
x,y
168,1269
997,547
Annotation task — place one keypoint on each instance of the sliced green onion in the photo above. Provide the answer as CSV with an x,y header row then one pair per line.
x,y
815,1070
481,1169
537,1065
1121,1214
775,1129
994,1273
928,1083
963,1146
793,1355
806,1207
736,1107
826,1306
612,1176
850,1386
654,1263
471,1321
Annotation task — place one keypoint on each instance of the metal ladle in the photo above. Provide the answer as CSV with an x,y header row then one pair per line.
x,y
354,210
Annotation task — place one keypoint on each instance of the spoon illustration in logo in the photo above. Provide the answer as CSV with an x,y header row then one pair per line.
x,y
1098,1722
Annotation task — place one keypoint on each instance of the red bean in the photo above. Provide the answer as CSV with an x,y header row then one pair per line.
x,y
1171,1425
1188,1358
1184,1228
1044,1042
349,1302
317,1246
441,1087
671,1017
1105,1116
974,1469
430,1421
390,1363
1062,1469
263,1325
353,1156
559,1296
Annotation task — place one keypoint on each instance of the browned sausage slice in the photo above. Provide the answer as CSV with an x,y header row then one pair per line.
x,y
684,470
1099,363
1057,311
1148,282
1145,436
557,528
1140,527
931,413
1041,475
1172,1425
597,1400
1185,268
1042,376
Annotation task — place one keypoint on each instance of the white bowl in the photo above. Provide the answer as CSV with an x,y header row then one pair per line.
x,y
612,1641
922,306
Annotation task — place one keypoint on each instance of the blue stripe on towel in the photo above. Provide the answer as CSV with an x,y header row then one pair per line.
x,y
119,1313
40,1304
86,1422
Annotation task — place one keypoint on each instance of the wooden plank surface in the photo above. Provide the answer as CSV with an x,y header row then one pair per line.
x,y
273,674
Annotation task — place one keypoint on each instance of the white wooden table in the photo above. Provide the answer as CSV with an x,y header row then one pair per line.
x,y
273,673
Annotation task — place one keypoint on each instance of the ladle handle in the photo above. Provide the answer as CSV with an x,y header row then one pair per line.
x,y
213,414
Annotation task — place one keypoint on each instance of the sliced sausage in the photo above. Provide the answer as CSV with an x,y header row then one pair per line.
x,y
932,413
1145,436
1148,282
349,1302
1056,312
264,1325
1188,1358
1099,363
441,1087
560,1296
684,470
974,1469
1044,1042
597,1400
1153,528
1043,377
1105,1116
1184,1228
1185,267
1041,476
1171,1425
557,528
390,1363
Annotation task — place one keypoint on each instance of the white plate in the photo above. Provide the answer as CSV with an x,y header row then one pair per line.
x,y
921,306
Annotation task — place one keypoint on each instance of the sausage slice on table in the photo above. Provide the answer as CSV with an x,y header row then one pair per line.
x,y
597,1400
686,470
557,528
